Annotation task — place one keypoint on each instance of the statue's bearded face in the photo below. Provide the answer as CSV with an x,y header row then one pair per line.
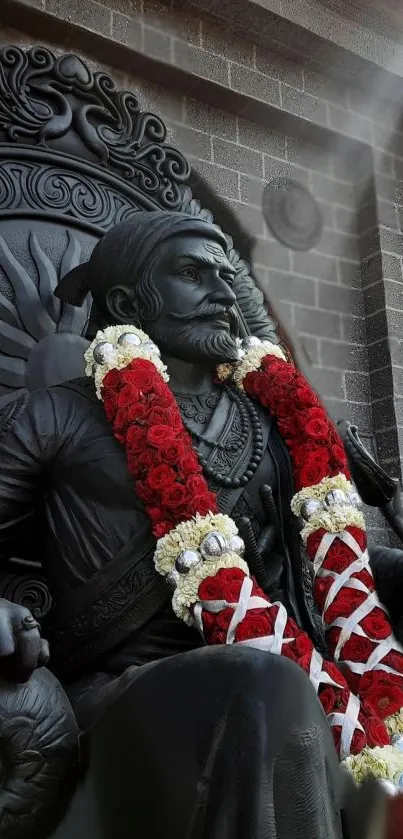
x,y
196,320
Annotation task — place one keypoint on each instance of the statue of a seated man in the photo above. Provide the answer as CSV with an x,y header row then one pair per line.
x,y
221,742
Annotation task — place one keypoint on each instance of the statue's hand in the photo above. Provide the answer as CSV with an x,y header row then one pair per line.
x,y
258,550
22,649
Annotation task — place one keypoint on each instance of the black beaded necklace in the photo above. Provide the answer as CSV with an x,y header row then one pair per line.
x,y
249,416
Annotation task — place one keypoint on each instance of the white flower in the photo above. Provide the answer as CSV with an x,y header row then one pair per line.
x,y
334,521
120,355
186,591
252,359
320,490
187,536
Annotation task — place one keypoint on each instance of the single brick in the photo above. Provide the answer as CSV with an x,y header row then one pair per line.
x,y
317,323
338,298
271,254
291,288
126,31
278,67
238,157
350,124
274,168
359,415
254,84
387,444
329,383
358,388
157,44
224,181
310,347
325,88
315,265
376,326
346,220
187,25
199,62
338,244
374,298
329,189
391,241
217,38
379,354
89,15
394,295
190,141
303,105
343,356
382,382
309,155
261,138
252,190
216,122
383,413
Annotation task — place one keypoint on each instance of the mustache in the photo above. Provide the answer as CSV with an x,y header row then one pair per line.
x,y
204,311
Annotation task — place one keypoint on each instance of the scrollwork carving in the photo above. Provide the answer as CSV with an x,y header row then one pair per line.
x,y
33,593
44,100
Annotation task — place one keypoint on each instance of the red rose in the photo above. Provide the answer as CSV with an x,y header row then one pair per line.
x,y
327,698
289,426
163,415
232,584
160,435
113,379
208,621
136,439
161,477
218,635
394,660
310,474
174,496
137,411
197,485
321,588
317,424
383,691
335,561
173,452
376,624
263,390
288,652
357,649
189,464
255,624
250,383
127,396
376,732
302,645
224,618
210,589
281,372
140,374
304,397
203,504
339,456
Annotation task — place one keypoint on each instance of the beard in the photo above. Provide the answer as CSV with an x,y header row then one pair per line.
x,y
195,341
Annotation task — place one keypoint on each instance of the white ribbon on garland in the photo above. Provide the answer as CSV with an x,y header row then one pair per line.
x,y
352,624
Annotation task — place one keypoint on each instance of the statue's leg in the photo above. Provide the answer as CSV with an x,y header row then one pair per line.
x,y
219,743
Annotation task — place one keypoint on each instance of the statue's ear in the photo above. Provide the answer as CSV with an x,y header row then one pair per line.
x,y
122,305
73,287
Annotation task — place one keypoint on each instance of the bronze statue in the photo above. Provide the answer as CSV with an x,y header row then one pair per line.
x,y
209,750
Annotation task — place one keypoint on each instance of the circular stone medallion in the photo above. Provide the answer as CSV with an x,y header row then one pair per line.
x,y
292,214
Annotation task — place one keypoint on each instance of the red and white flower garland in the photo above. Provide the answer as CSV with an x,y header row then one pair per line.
x,y
201,554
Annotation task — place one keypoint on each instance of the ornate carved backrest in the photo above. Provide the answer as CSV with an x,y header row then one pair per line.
x,y
77,156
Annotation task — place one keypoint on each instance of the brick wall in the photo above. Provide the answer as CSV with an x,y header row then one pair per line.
x,y
344,296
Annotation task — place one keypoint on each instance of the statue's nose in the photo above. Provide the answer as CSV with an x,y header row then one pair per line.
x,y
222,293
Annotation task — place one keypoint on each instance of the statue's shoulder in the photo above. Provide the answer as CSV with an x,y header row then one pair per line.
x,y
46,403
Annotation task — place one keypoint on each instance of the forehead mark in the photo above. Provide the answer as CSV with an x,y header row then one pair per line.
x,y
215,251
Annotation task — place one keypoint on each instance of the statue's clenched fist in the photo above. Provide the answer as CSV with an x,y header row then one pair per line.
x,y
22,649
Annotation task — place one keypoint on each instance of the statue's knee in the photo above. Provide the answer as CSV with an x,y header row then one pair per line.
x,y
252,667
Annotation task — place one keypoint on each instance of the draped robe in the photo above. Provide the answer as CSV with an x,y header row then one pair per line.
x,y
234,742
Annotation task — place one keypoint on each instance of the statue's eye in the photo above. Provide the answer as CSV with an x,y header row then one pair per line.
x,y
189,274
228,277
